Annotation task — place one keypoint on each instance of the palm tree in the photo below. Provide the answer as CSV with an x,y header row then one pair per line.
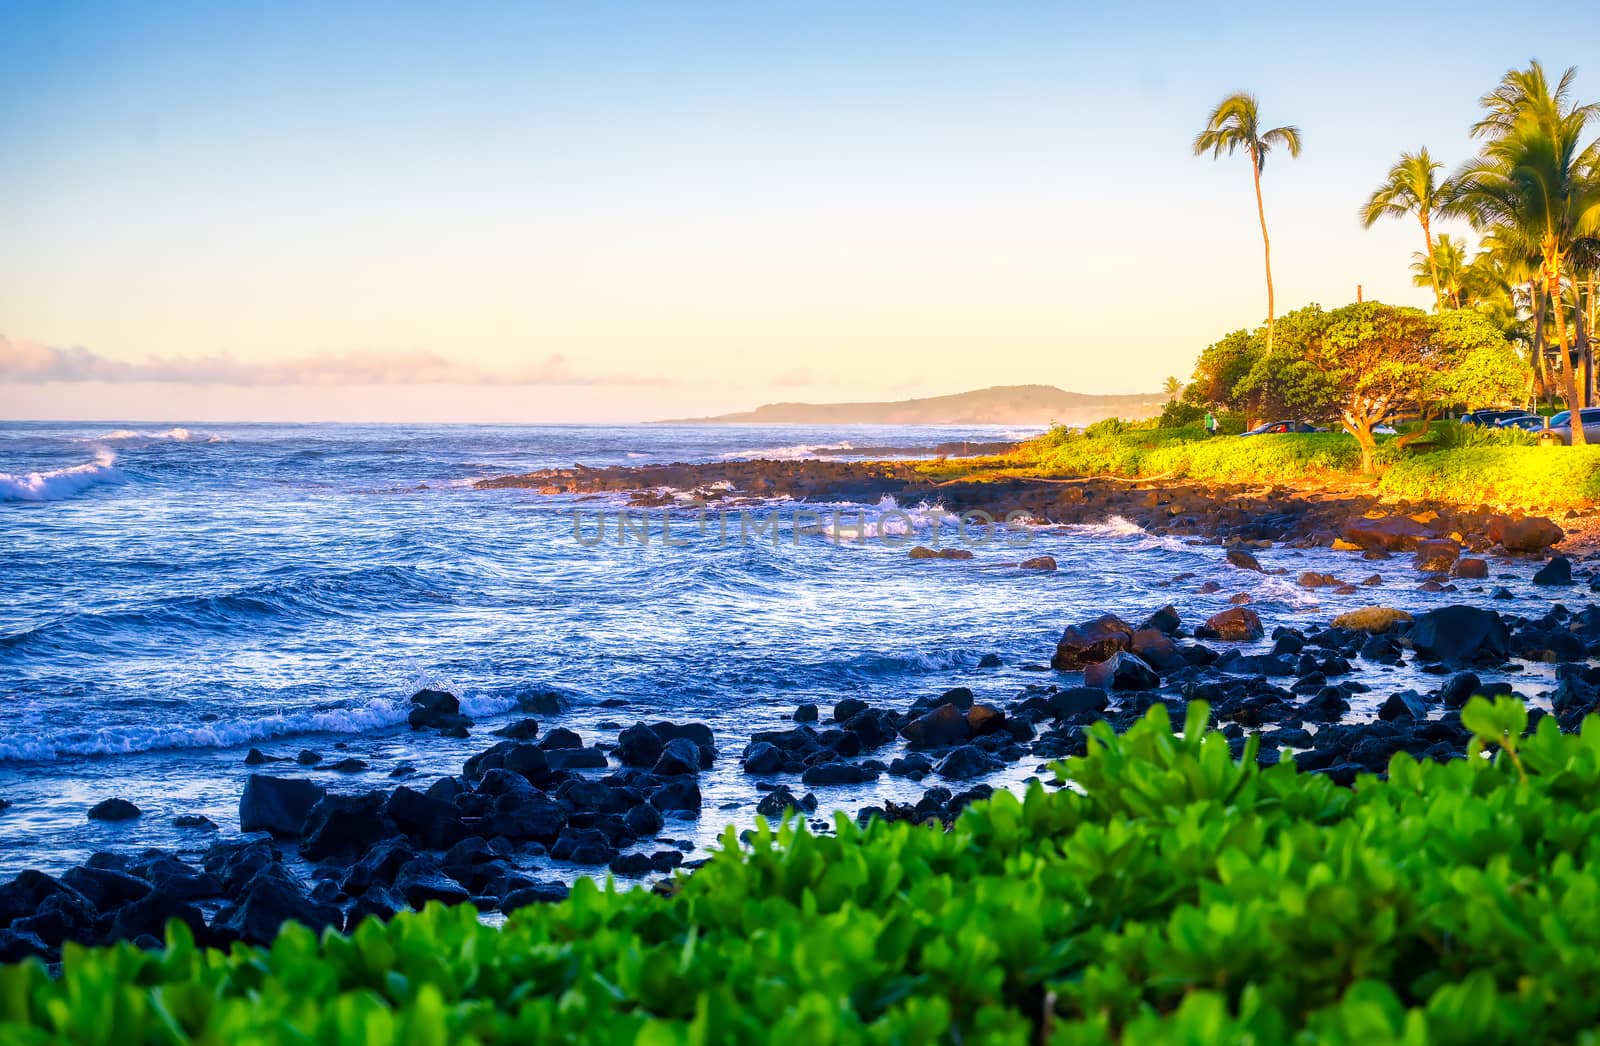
x,y
1411,188
1172,386
1445,269
1236,124
1538,179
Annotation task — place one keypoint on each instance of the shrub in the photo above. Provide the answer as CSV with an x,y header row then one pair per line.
x,y
1533,478
1186,894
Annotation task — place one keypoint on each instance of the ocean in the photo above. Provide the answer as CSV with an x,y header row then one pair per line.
x,y
173,596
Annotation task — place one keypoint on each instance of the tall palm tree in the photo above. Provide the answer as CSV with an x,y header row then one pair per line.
x,y
1445,268
1236,124
1527,93
1537,177
1411,188
1172,386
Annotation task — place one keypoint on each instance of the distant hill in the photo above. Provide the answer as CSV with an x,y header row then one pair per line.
x,y
1001,405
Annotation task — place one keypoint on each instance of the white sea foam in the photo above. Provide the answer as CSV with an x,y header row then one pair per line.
x,y
795,453
174,435
60,484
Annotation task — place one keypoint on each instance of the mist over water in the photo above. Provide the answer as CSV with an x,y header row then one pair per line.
x,y
173,596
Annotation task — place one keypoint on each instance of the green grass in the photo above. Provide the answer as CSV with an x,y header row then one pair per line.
x,y
1541,479
1188,453
1184,896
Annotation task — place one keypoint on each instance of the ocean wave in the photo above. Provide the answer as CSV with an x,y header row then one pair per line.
x,y
60,484
795,453
174,435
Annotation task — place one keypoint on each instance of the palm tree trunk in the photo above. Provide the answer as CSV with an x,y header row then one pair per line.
x,y
1433,263
1569,379
1540,364
1266,244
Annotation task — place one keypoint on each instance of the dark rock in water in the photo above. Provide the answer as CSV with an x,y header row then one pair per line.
x,y
1045,563
308,758
643,820
23,895
986,661
403,770
1458,688
781,799
172,878
1244,560
805,714
1381,650
1405,705
638,746
966,761
437,710
699,733
1077,701
436,701
349,765
1532,534
849,707
150,914
1436,555
1122,671
915,766
271,899
194,821
634,864
527,815
763,758
421,880
277,804
431,824
344,826
543,702
105,888
873,727
664,861
521,730
1389,533
1238,625
1166,621
838,773
1556,572
983,720
538,893
16,946
583,846
924,552
236,863
561,738
1471,569
1091,642
1461,634
1501,592
256,757
678,794
1326,707
576,759
60,918
114,810
944,726
1156,649
678,756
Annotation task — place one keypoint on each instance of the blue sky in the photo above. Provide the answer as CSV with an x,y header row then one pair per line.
x,y
594,211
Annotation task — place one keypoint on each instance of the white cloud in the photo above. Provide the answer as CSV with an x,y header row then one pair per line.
x,y
31,363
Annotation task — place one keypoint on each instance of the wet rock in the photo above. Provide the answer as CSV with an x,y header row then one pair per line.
x,y
1528,534
105,888
538,893
521,730
1387,533
1122,671
22,896
308,758
576,759
848,708
15,946
1556,572
199,821
114,810
172,878
763,758
256,757
277,804
643,820
874,728
1077,700
149,915
348,765
678,756
271,899
924,552
839,773
421,880
436,710
1471,569
915,766
1167,621
542,702
1092,642
679,794
699,733
806,714
1244,560
1404,705
379,902
1436,555
944,726
1237,625
1458,688
583,846
529,815
1461,634
60,918
430,823
1045,563
1312,579
561,739
965,762
345,826
781,799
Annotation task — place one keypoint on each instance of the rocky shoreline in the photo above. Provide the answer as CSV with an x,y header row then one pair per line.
x,y
543,796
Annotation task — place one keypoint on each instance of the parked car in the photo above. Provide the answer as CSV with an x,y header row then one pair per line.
x,y
1561,425
1489,418
1525,422
1273,427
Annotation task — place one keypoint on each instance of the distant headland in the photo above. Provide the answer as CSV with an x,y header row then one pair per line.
x,y
998,405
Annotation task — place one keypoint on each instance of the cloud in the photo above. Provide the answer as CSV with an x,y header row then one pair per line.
x,y
35,364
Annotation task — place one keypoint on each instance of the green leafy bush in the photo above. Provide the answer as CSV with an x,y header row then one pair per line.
x,y
1185,894
1535,478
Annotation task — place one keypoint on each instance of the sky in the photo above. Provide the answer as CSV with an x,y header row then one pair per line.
x,y
561,212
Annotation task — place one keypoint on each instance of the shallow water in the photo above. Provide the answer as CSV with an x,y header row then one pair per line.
x,y
174,596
